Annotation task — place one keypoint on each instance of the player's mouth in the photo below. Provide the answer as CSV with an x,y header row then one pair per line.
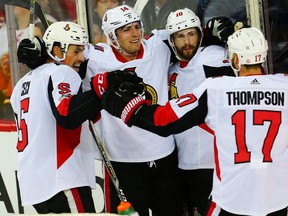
x,y
76,68
136,41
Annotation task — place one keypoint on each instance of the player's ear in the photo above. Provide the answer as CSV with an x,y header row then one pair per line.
x,y
235,61
57,51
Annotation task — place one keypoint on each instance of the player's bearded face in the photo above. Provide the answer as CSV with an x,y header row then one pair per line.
x,y
74,56
186,43
129,37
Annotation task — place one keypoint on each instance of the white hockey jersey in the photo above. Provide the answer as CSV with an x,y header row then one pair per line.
x,y
195,145
50,158
249,116
124,144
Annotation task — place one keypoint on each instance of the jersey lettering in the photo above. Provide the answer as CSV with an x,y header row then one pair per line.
x,y
179,14
185,100
243,155
64,88
22,127
257,58
25,88
124,9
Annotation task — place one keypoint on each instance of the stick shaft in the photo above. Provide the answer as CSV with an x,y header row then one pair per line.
x,y
107,162
31,20
26,4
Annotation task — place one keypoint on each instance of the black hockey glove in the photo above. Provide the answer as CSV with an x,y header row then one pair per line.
x,y
221,27
32,53
123,102
101,82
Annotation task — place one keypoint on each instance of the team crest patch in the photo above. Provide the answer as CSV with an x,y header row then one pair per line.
x,y
151,94
173,92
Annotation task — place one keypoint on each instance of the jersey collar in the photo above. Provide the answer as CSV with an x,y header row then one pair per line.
x,y
183,64
123,60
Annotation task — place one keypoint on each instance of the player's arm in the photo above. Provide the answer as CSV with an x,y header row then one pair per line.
x,y
174,117
75,108
70,106
163,121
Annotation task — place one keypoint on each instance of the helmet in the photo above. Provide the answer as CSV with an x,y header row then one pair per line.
x,y
179,20
182,19
249,44
116,18
65,33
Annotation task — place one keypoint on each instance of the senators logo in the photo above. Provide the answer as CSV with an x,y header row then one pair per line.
x,y
67,27
150,94
173,93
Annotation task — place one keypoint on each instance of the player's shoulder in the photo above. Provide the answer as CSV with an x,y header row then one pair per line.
x,y
278,77
219,81
99,49
212,50
61,71
156,37
212,55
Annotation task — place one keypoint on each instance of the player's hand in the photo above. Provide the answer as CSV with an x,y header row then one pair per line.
x,y
221,27
101,82
32,53
124,103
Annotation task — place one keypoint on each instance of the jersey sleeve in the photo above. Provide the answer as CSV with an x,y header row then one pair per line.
x,y
176,115
69,105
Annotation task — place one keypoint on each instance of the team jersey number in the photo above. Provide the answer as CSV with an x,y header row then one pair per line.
x,y
243,154
22,126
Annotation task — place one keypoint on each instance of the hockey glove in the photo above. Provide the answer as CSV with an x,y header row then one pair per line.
x,y
123,103
101,82
32,53
221,27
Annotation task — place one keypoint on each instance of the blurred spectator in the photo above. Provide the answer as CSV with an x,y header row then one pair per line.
x,y
61,9
101,6
278,15
97,32
22,16
2,16
5,88
235,10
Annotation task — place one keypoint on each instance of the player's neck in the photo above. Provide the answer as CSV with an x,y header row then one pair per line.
x,y
125,57
245,71
128,57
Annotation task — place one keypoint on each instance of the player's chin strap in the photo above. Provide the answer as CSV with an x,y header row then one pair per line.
x,y
56,58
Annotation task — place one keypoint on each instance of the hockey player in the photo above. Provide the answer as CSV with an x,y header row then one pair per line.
x,y
145,163
55,150
248,117
196,63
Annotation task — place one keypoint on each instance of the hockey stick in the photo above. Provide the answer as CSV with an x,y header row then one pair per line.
x,y
139,6
107,162
26,4
31,20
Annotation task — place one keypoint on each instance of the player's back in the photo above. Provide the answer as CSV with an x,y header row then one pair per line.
x,y
249,117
